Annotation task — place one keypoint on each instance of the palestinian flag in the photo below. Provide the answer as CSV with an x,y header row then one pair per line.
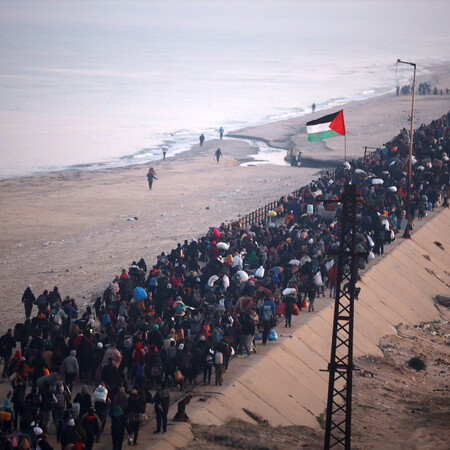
x,y
326,127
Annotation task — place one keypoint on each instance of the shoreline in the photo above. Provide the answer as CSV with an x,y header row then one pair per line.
x,y
72,229
435,73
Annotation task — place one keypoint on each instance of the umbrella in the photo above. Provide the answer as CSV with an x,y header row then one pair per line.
x,y
377,181
242,275
139,293
272,214
392,189
223,246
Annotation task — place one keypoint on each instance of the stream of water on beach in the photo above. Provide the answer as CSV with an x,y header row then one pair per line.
x,y
108,83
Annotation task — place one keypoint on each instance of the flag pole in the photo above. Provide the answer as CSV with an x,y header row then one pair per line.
x,y
345,147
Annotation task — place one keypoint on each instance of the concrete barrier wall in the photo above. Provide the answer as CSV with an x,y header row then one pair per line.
x,y
285,386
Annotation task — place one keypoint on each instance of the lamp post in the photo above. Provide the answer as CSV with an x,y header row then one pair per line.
x,y
406,234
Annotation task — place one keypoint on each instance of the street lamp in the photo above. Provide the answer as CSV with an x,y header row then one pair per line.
x,y
406,234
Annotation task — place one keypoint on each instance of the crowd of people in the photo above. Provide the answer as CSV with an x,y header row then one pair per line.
x,y
166,327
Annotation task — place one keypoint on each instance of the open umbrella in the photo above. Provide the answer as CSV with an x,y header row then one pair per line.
x,y
139,293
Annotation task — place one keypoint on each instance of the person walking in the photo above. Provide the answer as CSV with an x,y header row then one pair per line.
x,y
28,300
70,369
201,139
162,401
221,132
313,108
151,175
218,154
7,343
119,424
135,407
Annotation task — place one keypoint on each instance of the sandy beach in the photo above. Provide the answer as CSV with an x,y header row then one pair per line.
x,y
76,230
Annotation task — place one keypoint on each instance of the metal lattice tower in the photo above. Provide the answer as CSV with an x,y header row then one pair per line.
x,y
339,404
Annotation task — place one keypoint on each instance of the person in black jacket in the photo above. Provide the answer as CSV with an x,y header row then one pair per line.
x,y
162,401
136,406
28,300
119,424
18,398
84,399
91,425
7,343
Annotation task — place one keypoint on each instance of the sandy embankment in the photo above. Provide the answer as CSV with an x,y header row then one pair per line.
x,y
70,229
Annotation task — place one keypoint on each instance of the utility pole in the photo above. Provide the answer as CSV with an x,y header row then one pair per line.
x,y
408,228
339,404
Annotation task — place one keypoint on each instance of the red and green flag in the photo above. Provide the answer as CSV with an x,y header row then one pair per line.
x,y
326,127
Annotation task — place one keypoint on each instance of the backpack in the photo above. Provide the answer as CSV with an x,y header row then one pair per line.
x,y
209,360
140,371
61,398
218,358
156,371
266,315
179,309
106,319
153,282
6,415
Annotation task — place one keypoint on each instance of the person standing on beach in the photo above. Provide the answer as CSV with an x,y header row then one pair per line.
x,y
218,154
151,175
313,107
201,139
221,132
164,150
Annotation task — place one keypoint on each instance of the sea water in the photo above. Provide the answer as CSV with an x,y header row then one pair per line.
x,y
88,84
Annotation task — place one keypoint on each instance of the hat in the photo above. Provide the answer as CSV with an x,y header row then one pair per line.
x,y
37,431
